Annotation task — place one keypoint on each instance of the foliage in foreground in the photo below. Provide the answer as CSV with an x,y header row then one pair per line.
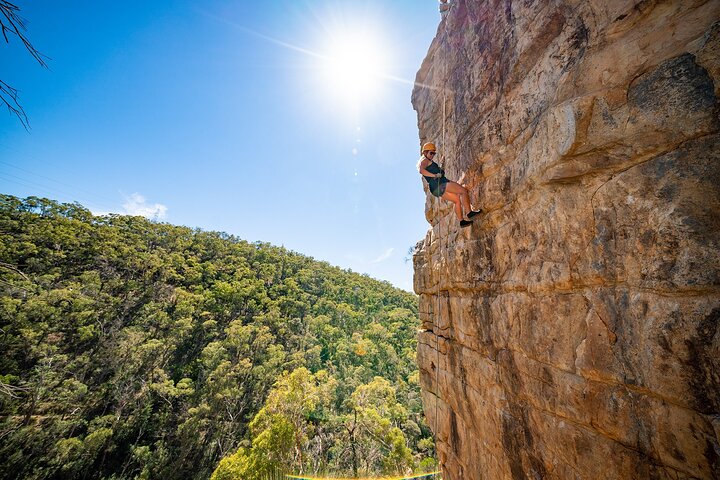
x,y
133,349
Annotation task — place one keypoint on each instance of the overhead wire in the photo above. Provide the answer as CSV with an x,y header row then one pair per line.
x,y
30,180
75,188
39,189
14,179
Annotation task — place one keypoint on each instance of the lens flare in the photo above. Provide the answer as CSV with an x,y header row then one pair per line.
x,y
354,64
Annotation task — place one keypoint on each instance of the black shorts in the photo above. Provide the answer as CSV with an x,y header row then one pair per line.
x,y
437,186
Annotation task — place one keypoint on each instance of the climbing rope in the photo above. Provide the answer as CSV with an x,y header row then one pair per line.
x,y
436,316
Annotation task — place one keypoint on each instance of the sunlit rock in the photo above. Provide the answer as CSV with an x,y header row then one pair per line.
x,y
573,330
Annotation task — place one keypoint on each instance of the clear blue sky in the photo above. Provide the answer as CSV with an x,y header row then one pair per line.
x,y
222,115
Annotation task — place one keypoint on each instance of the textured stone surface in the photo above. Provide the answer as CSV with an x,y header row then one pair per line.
x,y
574,330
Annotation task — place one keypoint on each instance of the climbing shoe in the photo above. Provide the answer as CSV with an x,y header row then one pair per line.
x,y
465,223
474,213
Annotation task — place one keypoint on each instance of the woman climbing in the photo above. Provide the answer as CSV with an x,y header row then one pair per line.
x,y
444,188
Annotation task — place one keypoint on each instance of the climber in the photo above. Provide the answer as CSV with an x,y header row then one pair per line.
x,y
444,7
444,188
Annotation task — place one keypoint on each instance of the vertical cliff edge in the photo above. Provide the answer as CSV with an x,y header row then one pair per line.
x,y
572,331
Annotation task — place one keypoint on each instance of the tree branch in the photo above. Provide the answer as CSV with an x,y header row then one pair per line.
x,y
12,23
9,97
15,24
11,390
12,267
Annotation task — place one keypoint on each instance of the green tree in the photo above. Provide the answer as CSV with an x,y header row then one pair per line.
x,y
133,349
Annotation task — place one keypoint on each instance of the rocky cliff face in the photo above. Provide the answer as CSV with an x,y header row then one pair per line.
x,y
572,332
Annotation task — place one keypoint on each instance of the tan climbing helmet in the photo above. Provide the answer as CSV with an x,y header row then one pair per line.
x,y
428,147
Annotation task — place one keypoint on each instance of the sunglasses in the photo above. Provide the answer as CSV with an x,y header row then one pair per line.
x,y
432,153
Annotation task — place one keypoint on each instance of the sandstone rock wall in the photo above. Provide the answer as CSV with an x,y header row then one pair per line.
x,y
572,332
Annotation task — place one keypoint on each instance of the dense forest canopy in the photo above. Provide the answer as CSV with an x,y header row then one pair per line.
x,y
133,349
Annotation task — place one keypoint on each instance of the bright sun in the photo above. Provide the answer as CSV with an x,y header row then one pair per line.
x,y
354,66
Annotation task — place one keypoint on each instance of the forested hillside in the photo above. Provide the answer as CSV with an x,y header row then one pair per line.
x,y
132,349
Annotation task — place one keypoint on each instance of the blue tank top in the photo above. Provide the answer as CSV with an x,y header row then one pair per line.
x,y
437,185
433,168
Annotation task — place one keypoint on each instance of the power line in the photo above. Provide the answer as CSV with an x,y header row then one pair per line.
x,y
14,179
74,189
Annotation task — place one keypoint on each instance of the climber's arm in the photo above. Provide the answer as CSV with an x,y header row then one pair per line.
x,y
422,168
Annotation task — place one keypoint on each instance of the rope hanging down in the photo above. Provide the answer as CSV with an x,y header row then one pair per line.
x,y
436,316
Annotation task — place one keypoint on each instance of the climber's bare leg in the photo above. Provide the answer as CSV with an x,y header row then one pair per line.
x,y
455,198
462,193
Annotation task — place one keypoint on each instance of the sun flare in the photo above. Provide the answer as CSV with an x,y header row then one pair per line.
x,y
354,65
